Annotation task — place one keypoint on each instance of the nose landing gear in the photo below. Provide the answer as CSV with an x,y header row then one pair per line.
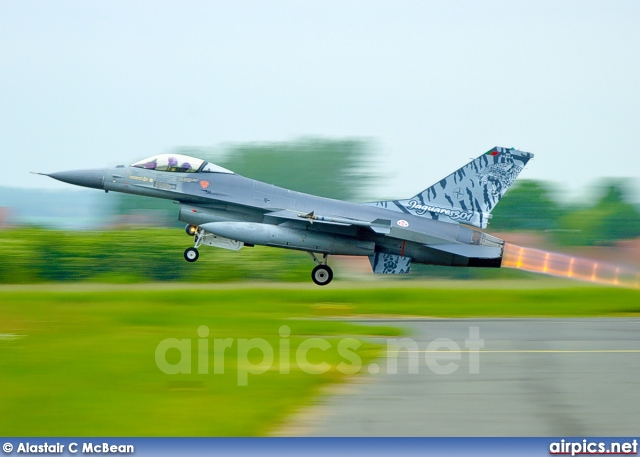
x,y
192,254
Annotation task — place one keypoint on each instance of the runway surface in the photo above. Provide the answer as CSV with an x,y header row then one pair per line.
x,y
535,377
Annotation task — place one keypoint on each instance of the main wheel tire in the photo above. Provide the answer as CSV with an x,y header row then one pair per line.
x,y
191,255
322,275
191,229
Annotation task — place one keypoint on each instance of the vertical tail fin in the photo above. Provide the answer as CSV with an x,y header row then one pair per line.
x,y
469,194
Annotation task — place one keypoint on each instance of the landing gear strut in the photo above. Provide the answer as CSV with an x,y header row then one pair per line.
x,y
192,254
322,274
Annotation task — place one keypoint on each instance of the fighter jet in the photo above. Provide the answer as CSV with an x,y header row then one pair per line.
x,y
226,210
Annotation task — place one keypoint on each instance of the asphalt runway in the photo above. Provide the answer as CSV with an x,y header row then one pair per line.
x,y
536,377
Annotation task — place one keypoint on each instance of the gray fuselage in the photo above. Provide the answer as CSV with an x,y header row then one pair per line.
x,y
206,197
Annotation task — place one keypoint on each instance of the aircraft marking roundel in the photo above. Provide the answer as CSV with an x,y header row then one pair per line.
x,y
204,184
403,223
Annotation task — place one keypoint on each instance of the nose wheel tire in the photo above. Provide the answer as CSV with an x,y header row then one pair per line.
x,y
322,275
191,255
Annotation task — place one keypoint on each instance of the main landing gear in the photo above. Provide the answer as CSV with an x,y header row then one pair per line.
x,y
192,254
322,274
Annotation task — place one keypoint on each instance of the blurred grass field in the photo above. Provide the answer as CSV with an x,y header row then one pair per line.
x,y
142,255
79,360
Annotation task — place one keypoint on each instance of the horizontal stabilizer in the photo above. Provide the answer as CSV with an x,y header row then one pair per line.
x,y
470,250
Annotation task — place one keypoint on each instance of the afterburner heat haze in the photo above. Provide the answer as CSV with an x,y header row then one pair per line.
x,y
566,266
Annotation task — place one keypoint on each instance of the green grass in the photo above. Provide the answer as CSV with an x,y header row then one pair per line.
x,y
82,362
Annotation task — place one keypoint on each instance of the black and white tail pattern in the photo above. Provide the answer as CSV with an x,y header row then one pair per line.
x,y
469,194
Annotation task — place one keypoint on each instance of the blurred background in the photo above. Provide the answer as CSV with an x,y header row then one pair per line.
x,y
357,100
88,234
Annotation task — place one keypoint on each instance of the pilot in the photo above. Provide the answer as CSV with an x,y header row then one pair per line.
x,y
173,164
186,166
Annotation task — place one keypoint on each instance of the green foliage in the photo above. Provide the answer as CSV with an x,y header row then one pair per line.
x,y
612,218
529,205
136,255
329,168
341,169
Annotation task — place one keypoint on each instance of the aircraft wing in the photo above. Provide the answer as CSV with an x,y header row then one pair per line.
x,y
382,226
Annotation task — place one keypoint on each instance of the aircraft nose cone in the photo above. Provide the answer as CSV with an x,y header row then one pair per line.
x,y
84,178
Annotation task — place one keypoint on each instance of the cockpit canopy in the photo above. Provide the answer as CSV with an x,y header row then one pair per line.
x,y
179,163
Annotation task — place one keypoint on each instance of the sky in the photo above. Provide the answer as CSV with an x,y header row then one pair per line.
x,y
431,84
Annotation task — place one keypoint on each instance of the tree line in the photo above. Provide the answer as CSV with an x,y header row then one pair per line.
x,y
608,216
344,169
